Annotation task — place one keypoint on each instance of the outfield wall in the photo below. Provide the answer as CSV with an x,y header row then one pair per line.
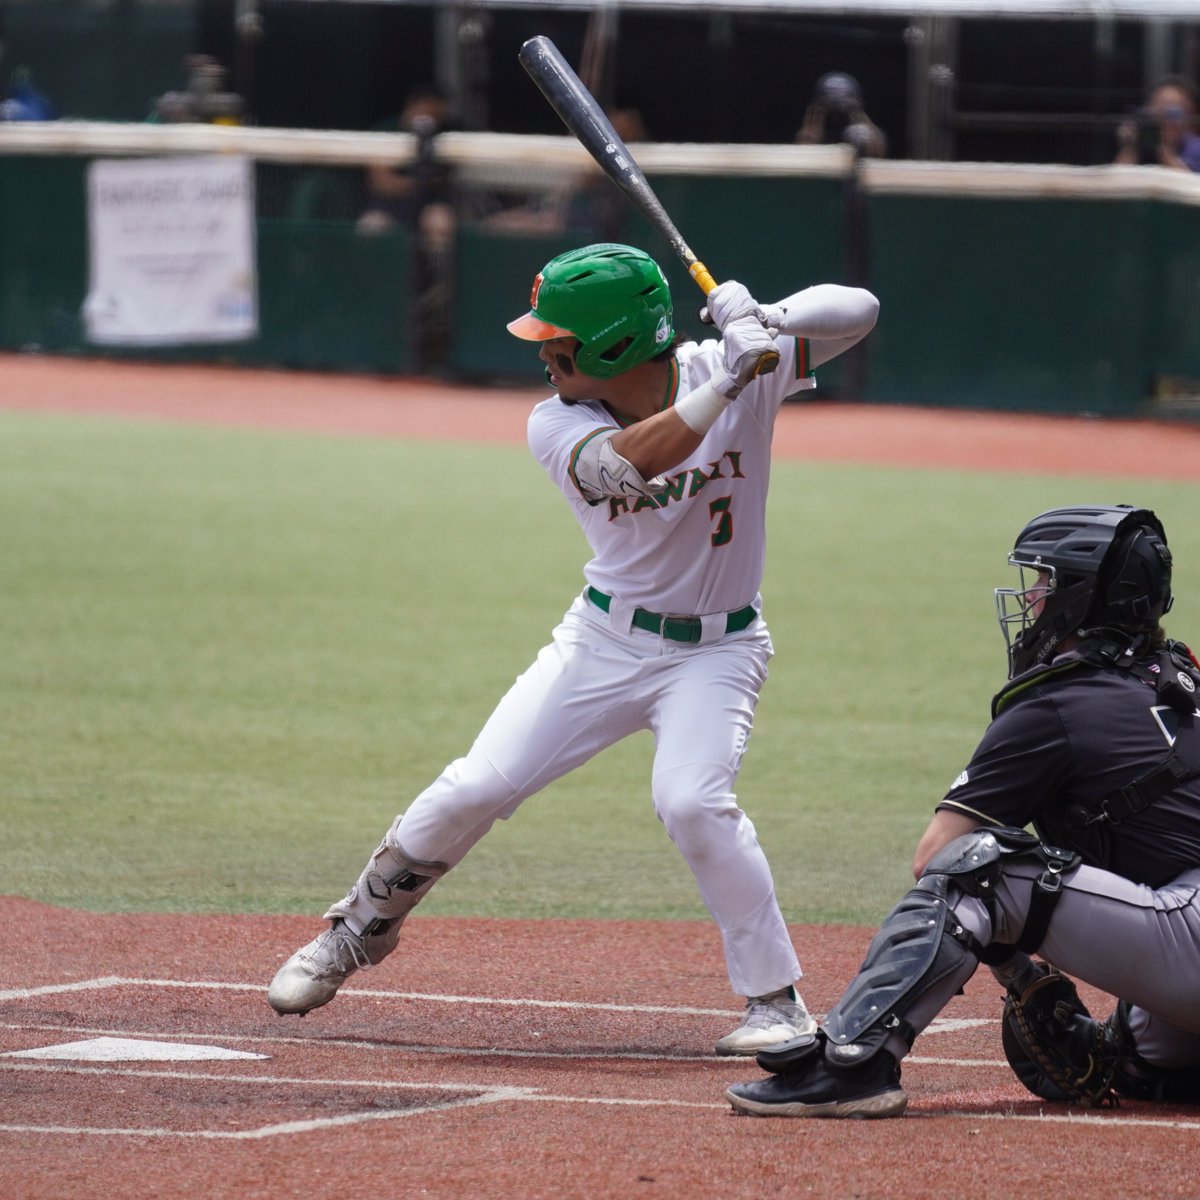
x,y
1054,289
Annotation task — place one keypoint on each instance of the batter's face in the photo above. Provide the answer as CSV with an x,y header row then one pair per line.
x,y
561,372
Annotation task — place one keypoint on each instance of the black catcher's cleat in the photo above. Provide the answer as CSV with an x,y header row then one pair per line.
x,y
808,1085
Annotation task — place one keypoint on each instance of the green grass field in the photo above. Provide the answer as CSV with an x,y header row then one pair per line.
x,y
230,657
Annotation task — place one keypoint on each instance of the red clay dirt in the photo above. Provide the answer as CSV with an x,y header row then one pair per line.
x,y
541,1059
537,1059
422,408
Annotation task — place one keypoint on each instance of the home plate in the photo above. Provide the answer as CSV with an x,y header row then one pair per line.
x,y
111,1049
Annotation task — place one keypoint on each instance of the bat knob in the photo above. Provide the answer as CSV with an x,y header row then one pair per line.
x,y
767,362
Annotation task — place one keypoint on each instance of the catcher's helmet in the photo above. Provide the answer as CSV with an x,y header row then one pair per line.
x,y
612,298
1101,567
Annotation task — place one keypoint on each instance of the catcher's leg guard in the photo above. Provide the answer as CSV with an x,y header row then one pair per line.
x,y
919,947
391,886
922,954
975,861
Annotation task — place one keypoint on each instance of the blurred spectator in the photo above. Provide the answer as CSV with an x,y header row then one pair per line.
x,y
1163,132
596,208
24,102
836,114
418,197
590,208
203,100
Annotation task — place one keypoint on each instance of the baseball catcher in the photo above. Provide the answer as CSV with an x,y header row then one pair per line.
x,y
1095,743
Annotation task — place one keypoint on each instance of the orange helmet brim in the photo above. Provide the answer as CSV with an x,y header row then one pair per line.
x,y
533,329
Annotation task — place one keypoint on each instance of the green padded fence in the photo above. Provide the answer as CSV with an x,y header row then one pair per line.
x,y
775,235
1013,303
1074,292
329,297
43,253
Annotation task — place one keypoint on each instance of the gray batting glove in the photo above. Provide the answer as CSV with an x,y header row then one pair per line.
x,y
743,343
728,302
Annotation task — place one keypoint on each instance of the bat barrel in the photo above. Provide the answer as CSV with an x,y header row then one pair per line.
x,y
583,116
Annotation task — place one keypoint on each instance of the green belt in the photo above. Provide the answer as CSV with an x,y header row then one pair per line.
x,y
678,629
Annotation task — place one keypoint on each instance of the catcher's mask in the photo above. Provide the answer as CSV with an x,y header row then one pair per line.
x,y
1087,568
613,299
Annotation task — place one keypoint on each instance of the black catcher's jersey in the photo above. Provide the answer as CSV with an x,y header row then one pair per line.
x,y
1063,744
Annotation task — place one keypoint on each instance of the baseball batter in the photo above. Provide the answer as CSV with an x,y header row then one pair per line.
x,y
1095,742
663,451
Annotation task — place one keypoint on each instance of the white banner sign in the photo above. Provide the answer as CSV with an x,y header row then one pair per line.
x,y
171,251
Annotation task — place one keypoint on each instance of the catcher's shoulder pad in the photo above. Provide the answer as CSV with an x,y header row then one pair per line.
x,y
1054,1046
1035,675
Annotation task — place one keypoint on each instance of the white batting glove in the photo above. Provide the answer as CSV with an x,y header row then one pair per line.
x,y
773,317
743,344
728,302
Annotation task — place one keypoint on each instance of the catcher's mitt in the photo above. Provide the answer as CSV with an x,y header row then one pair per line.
x,y
1054,1046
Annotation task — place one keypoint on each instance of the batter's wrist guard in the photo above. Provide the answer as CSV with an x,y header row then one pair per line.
x,y
701,407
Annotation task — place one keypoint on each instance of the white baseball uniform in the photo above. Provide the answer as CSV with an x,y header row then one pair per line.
x,y
692,554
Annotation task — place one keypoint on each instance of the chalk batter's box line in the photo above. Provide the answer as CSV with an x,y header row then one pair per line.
x,y
939,1025
484,1096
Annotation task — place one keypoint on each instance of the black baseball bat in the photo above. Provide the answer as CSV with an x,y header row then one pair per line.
x,y
584,117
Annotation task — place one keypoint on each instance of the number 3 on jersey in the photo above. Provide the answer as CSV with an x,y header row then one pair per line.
x,y
718,510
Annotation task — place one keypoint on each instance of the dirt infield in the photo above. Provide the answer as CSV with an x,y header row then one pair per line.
x,y
546,1059
427,409
572,1059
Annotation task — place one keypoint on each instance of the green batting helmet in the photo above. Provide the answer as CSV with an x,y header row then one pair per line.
x,y
612,298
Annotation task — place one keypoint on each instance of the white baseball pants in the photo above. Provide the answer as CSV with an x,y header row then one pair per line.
x,y
594,684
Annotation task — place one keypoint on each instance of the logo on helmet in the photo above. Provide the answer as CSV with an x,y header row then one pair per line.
x,y
537,287
663,332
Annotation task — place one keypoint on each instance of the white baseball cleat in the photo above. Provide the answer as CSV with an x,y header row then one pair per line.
x,y
769,1020
312,976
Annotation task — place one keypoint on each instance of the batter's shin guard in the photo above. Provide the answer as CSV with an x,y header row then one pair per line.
x,y
391,886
